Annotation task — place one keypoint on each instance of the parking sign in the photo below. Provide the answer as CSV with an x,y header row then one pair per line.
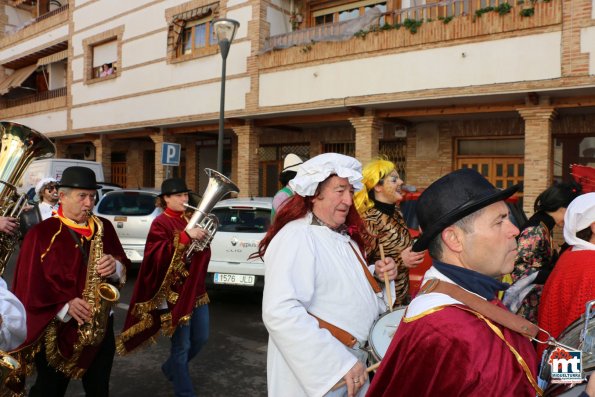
x,y
170,153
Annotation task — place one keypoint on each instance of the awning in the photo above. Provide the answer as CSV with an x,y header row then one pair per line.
x,y
17,78
58,56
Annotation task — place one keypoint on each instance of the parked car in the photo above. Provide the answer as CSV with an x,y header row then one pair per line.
x,y
243,222
131,212
408,206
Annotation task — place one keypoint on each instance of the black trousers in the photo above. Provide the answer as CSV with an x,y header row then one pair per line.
x,y
53,383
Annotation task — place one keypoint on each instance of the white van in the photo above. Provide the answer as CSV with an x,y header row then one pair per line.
x,y
43,168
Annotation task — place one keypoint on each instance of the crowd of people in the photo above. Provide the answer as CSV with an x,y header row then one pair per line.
x,y
336,257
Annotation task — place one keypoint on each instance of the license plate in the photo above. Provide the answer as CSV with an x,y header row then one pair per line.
x,y
133,255
234,279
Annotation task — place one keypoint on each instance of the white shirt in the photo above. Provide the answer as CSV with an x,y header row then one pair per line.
x,y
312,269
13,330
45,209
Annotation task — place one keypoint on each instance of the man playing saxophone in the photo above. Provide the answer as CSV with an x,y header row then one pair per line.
x,y
170,293
62,264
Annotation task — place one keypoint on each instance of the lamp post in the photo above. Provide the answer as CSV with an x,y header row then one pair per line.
x,y
225,30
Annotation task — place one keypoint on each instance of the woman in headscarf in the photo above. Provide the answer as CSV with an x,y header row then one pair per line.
x,y
377,204
537,253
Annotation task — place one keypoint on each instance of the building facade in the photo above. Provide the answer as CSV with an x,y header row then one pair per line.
x,y
506,87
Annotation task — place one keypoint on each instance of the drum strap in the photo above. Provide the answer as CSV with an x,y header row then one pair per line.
x,y
340,334
487,311
369,276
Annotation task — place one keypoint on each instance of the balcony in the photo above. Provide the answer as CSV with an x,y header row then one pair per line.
x,y
38,102
406,29
35,25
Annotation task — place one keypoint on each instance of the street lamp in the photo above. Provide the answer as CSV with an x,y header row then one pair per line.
x,y
225,30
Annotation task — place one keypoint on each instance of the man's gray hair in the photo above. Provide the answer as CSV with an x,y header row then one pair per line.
x,y
436,245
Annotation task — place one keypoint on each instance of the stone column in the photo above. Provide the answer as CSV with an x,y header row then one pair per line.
x,y
367,135
191,154
538,152
247,159
158,138
61,148
103,155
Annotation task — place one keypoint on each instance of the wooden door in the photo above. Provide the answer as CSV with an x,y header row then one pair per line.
x,y
502,172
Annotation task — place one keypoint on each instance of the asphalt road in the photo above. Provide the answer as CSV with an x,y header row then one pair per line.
x,y
233,363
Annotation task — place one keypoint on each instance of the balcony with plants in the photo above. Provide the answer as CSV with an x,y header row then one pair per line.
x,y
369,26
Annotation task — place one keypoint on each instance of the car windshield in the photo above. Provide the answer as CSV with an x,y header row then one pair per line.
x,y
243,219
127,203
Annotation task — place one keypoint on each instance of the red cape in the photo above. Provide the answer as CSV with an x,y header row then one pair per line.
x,y
450,352
50,271
182,285
570,286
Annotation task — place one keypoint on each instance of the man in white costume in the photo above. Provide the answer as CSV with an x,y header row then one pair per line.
x,y
320,297
47,191
13,323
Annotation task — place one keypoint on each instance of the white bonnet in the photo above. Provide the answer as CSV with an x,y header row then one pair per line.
x,y
42,183
580,214
291,163
318,168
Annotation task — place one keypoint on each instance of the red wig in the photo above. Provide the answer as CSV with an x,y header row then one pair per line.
x,y
297,207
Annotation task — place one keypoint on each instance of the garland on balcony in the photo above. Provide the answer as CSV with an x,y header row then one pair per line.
x,y
413,24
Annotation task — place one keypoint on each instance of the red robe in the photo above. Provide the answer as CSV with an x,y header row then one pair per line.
x,y
181,285
570,286
51,271
451,352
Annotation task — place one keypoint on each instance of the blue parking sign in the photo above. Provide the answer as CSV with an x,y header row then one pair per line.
x,y
170,153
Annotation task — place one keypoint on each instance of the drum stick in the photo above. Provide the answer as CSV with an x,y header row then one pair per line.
x,y
369,369
386,281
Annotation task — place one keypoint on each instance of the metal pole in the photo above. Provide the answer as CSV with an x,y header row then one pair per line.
x,y
224,45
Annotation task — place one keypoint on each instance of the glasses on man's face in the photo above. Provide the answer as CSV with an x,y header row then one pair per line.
x,y
51,188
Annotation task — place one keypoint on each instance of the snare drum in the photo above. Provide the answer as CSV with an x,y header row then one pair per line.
x,y
382,332
572,337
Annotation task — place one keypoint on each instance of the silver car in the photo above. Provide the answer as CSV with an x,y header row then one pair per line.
x,y
131,212
243,222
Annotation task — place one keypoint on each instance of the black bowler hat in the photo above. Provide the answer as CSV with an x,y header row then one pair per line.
x,y
79,178
173,186
451,198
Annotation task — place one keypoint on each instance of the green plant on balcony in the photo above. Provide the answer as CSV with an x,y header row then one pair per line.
x,y
481,11
412,24
527,12
503,8
445,20
362,33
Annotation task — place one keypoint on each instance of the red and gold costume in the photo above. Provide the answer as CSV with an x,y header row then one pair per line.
x,y
51,270
570,286
167,289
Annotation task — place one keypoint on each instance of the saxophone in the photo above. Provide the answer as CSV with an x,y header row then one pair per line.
x,y
97,293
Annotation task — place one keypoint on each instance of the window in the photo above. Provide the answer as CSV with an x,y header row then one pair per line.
x,y
102,55
196,36
190,33
347,12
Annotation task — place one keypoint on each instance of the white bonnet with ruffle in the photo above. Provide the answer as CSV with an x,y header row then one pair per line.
x,y
42,183
318,168
580,214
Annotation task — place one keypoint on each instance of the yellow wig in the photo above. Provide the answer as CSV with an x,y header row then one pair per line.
x,y
373,172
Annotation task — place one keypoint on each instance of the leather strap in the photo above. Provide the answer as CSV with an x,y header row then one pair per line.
x,y
485,308
369,276
340,334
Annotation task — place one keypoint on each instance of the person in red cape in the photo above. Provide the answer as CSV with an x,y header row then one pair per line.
x,y
443,347
50,279
170,293
572,283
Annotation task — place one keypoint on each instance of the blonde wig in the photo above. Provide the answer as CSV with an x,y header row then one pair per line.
x,y
374,172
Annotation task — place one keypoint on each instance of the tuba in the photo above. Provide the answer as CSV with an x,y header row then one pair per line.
x,y
219,185
20,146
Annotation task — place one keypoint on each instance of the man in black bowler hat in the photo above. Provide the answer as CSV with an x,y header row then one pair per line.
x,y
61,262
170,293
442,346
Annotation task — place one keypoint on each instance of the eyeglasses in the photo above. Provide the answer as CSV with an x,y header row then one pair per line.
x,y
51,188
